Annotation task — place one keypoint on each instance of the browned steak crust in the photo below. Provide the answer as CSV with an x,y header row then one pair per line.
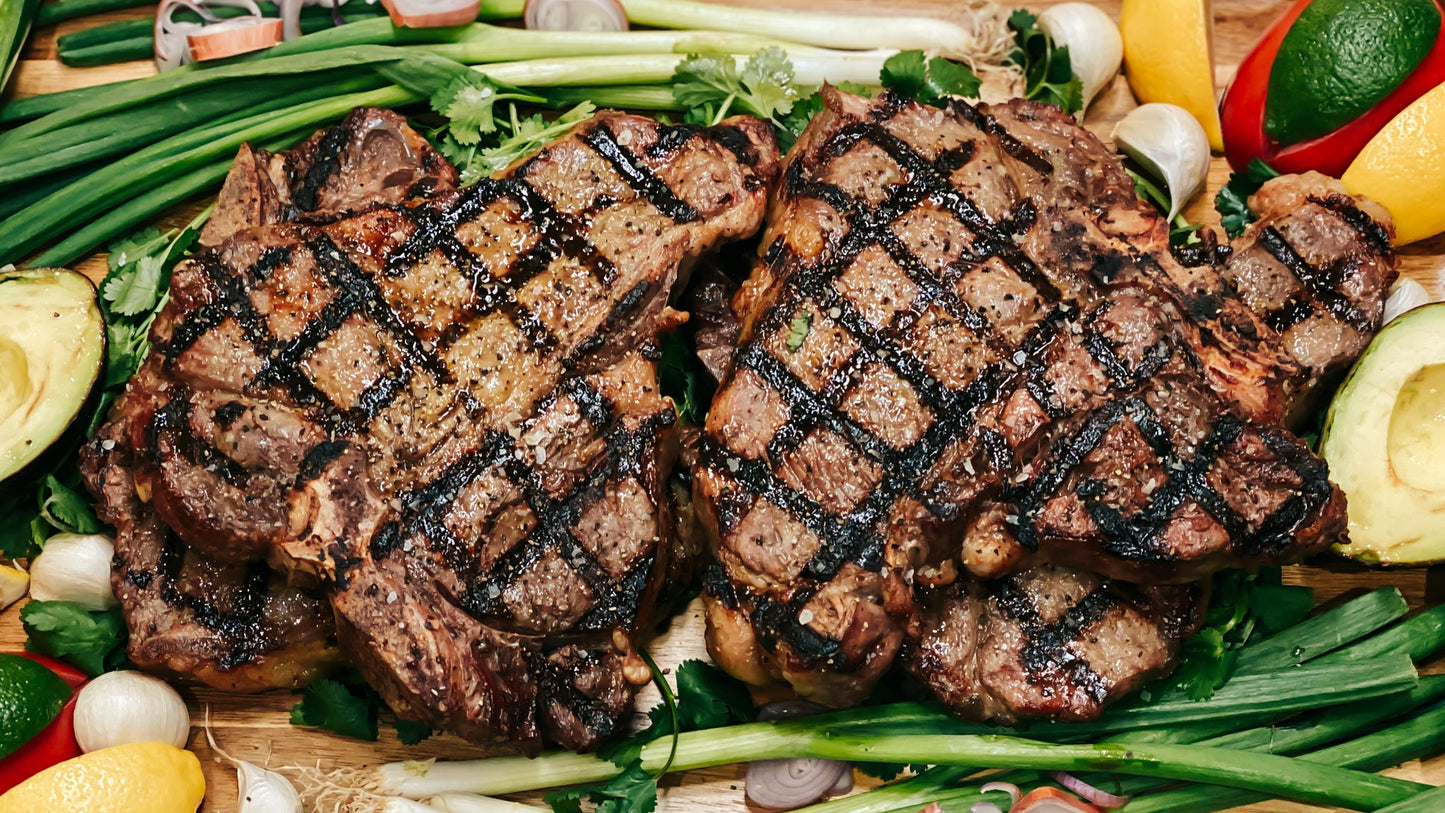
x,y
445,411
968,349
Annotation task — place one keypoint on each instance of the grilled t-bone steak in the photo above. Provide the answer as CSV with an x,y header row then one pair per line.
x,y
462,440
233,622
972,374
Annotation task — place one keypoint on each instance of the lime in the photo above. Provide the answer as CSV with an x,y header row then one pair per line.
x,y
1340,58
143,777
30,697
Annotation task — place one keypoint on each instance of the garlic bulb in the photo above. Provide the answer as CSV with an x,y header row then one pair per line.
x,y
74,567
1405,295
1095,48
260,790
1171,145
125,707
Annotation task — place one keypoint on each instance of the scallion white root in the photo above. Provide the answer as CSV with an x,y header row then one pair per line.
x,y
467,803
977,34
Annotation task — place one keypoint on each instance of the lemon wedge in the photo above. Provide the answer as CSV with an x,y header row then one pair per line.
x,y
1403,168
13,584
146,777
1169,57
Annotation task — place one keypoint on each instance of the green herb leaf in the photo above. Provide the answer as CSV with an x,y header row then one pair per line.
x,y
798,331
136,292
632,791
93,641
1242,607
683,378
709,87
1181,232
467,102
1048,73
707,697
336,707
411,732
526,136
129,249
65,509
22,529
930,81
1232,202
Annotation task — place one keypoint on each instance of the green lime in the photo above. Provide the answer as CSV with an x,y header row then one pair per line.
x,y
30,697
1340,58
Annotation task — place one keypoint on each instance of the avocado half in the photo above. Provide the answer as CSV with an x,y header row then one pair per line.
x,y
52,342
1384,439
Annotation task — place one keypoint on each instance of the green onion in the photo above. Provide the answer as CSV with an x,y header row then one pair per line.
x,y
165,160
1419,637
106,136
16,17
848,32
1413,739
63,10
1325,632
1430,801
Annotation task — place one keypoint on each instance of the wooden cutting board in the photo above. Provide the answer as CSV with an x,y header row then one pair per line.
x,y
256,727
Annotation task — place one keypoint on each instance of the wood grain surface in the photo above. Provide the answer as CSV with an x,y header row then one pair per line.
x,y
256,727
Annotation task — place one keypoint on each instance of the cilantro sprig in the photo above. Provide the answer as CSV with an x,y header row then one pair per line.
x,y
1243,607
346,705
516,137
930,81
1048,74
1232,202
1181,232
710,87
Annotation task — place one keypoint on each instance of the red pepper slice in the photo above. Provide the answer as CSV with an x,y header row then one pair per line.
x,y
1241,113
72,676
52,746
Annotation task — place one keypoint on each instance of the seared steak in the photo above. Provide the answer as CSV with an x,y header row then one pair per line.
x,y
968,351
445,412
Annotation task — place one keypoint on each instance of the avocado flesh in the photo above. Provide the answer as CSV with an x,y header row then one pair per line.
x,y
52,342
1384,439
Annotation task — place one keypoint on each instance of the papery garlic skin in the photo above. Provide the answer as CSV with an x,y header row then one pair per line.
x,y
125,707
1096,49
1171,145
74,567
1405,295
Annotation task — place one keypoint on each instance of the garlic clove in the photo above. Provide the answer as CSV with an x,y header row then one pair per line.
x,y
259,790
1169,144
74,567
126,707
1405,295
1096,50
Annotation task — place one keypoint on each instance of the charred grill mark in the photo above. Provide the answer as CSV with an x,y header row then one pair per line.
x,y
318,458
558,688
638,176
1046,651
1290,314
1364,225
173,421
1319,284
778,621
266,266
241,634
1010,144
306,189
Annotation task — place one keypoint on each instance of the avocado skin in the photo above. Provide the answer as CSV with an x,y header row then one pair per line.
x,y
1391,521
49,318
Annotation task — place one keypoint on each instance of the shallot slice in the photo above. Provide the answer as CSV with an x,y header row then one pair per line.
x,y
432,13
575,15
240,35
1101,798
172,48
785,784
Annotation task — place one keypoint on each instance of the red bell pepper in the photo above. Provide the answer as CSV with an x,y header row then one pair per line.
x,y
72,676
56,742
1241,113
52,746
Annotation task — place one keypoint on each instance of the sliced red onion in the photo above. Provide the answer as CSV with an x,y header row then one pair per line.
x,y
1089,792
984,807
432,13
785,784
575,15
171,48
228,38
1014,794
